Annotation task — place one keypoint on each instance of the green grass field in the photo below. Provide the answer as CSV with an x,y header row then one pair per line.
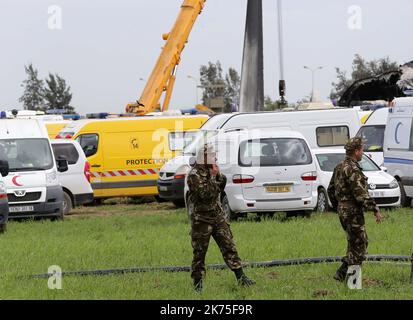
x,y
122,236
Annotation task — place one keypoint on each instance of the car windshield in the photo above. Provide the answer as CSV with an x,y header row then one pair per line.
x,y
373,137
328,161
27,154
197,139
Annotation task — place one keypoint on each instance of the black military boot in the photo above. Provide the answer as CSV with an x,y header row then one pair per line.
x,y
341,272
242,279
198,285
3,228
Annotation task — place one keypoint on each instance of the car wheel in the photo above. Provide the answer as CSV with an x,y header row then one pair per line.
x,y
228,213
405,201
67,204
322,201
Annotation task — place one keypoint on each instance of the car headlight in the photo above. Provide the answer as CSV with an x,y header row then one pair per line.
x,y
182,172
394,184
51,179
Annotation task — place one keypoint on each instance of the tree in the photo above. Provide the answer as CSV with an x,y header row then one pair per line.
x,y
32,97
57,94
361,69
232,92
212,82
272,105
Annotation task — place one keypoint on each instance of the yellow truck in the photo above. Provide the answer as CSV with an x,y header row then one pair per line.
x,y
126,154
54,127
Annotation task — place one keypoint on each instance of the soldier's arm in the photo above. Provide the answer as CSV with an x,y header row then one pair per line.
x,y
199,187
361,193
331,191
222,181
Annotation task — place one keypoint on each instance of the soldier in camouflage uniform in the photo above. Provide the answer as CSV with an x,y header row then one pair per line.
x,y
206,183
348,193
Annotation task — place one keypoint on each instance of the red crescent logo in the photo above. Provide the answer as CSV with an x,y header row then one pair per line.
x,y
14,180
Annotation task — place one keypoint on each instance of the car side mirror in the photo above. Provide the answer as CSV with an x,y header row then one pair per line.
x,y
383,169
62,165
4,168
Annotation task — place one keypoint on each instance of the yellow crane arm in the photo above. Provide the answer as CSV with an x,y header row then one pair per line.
x,y
162,78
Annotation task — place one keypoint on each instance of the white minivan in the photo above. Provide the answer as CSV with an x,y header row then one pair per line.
x,y
267,171
329,128
398,146
33,187
77,189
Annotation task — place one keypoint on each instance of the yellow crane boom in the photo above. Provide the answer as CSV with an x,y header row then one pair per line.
x,y
163,77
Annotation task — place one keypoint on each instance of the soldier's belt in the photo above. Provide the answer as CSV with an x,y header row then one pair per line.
x,y
348,203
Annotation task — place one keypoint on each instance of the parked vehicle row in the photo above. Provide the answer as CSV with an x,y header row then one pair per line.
x,y
39,175
322,129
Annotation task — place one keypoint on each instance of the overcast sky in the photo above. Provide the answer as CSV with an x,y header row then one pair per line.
x,y
105,46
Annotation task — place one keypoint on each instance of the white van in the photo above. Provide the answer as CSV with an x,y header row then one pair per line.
x,y
398,146
329,128
33,187
373,133
267,171
77,189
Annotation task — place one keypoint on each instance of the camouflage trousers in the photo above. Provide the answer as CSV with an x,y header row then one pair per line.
x,y
352,221
201,233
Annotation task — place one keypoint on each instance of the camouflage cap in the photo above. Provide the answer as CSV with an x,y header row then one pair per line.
x,y
354,144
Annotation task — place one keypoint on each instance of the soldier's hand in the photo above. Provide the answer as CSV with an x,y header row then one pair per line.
x,y
214,170
379,217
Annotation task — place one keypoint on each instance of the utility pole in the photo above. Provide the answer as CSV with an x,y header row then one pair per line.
x,y
196,87
313,70
282,84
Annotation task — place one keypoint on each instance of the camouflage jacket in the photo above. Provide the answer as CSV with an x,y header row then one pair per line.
x,y
350,184
204,193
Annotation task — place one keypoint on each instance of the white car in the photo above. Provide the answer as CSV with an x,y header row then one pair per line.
x,y
382,186
266,172
75,181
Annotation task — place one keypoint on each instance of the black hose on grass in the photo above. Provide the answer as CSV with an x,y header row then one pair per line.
x,y
274,263
411,274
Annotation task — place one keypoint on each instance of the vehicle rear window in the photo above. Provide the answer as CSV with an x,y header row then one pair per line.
x,y
332,136
66,151
274,152
373,137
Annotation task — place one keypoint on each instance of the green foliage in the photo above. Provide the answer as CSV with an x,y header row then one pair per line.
x,y
32,97
57,94
36,96
272,105
153,235
216,86
361,69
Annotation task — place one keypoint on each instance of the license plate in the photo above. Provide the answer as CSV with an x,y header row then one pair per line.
x,y
163,188
21,209
377,194
278,189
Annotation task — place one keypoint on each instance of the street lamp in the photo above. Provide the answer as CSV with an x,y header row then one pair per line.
x,y
196,86
313,70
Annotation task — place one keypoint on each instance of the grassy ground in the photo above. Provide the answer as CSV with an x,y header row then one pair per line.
x,y
119,236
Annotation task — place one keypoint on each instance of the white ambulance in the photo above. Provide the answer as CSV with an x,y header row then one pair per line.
x,y
398,146
33,187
